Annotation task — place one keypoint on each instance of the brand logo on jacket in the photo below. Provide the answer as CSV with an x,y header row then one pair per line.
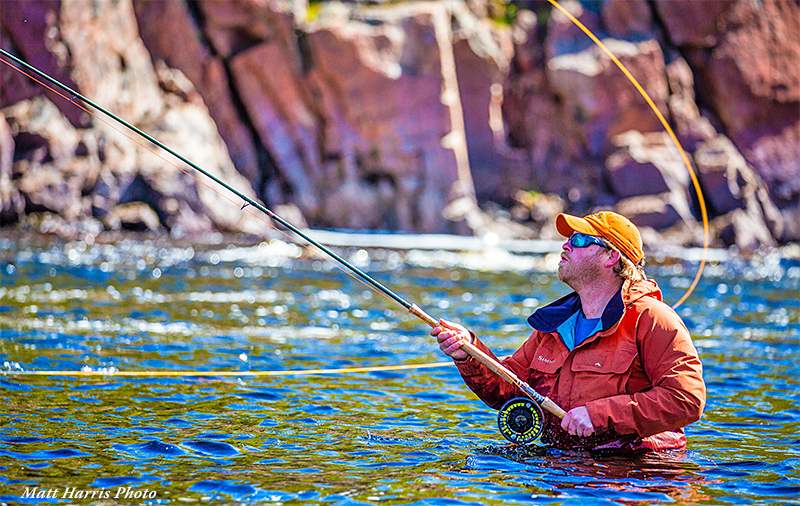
x,y
546,361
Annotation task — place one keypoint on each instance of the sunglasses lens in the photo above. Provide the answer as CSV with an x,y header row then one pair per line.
x,y
578,240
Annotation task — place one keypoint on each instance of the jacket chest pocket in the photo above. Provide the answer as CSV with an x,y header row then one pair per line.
x,y
602,371
606,360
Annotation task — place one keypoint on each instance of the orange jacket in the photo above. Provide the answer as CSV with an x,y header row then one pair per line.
x,y
639,377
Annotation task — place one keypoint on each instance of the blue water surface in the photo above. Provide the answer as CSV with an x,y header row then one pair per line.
x,y
404,436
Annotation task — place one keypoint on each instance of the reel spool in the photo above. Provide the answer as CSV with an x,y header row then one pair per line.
x,y
520,420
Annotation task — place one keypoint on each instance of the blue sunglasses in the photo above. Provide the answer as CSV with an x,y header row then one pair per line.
x,y
578,240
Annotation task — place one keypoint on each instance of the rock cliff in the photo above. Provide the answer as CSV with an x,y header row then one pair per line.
x,y
443,116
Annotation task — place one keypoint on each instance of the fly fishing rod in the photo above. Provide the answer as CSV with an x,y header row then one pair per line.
x,y
518,422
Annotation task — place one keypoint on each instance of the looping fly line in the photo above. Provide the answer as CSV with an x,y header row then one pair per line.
x,y
359,276
684,156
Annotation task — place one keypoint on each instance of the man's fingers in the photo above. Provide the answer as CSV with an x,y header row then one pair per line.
x,y
453,346
565,422
451,337
454,329
577,422
448,340
446,324
444,336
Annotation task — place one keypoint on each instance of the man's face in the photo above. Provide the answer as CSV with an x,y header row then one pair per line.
x,y
579,266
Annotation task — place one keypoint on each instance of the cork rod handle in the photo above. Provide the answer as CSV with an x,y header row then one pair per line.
x,y
495,366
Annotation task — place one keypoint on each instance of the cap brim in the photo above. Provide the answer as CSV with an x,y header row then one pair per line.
x,y
566,224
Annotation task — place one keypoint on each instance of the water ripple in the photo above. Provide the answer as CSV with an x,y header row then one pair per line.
x,y
212,448
416,437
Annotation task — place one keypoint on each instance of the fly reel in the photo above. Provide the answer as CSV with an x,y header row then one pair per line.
x,y
520,420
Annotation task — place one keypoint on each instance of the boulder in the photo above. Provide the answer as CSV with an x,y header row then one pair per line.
x,y
743,228
658,212
48,174
752,79
539,208
791,219
650,164
702,31
776,159
361,206
279,112
732,187
176,187
170,33
109,62
32,28
564,37
690,126
481,65
235,25
85,172
358,99
599,99
382,85
134,216
533,118
724,175
628,19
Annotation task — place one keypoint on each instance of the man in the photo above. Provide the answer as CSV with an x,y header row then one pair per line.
x,y
611,353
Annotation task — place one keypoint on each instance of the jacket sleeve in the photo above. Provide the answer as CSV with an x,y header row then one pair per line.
x,y
670,360
488,386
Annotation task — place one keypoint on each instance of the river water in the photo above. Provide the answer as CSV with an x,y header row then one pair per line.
x,y
408,436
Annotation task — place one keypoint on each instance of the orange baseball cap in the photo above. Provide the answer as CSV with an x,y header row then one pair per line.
x,y
615,228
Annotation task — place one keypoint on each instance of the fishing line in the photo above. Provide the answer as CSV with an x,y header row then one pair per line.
x,y
672,135
247,200
355,272
471,349
111,371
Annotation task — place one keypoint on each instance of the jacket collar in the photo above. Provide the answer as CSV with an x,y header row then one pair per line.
x,y
549,317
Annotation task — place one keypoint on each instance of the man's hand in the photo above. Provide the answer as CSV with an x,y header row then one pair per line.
x,y
451,337
577,422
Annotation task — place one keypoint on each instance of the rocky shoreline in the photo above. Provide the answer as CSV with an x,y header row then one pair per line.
x,y
429,117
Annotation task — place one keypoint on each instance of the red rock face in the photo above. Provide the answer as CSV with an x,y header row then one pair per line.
x,y
692,24
746,62
170,33
396,117
32,28
83,173
752,80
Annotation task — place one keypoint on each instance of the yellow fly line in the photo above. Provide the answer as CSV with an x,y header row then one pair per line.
x,y
672,135
106,372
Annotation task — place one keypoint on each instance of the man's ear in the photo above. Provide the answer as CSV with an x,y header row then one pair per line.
x,y
613,258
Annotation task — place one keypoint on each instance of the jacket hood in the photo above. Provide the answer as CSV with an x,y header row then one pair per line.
x,y
549,317
635,290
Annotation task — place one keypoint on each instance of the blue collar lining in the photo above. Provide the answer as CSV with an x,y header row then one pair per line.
x,y
550,317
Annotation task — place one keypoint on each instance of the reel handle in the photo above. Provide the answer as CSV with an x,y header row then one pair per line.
x,y
495,366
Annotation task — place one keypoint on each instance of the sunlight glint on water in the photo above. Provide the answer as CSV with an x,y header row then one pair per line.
x,y
409,437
